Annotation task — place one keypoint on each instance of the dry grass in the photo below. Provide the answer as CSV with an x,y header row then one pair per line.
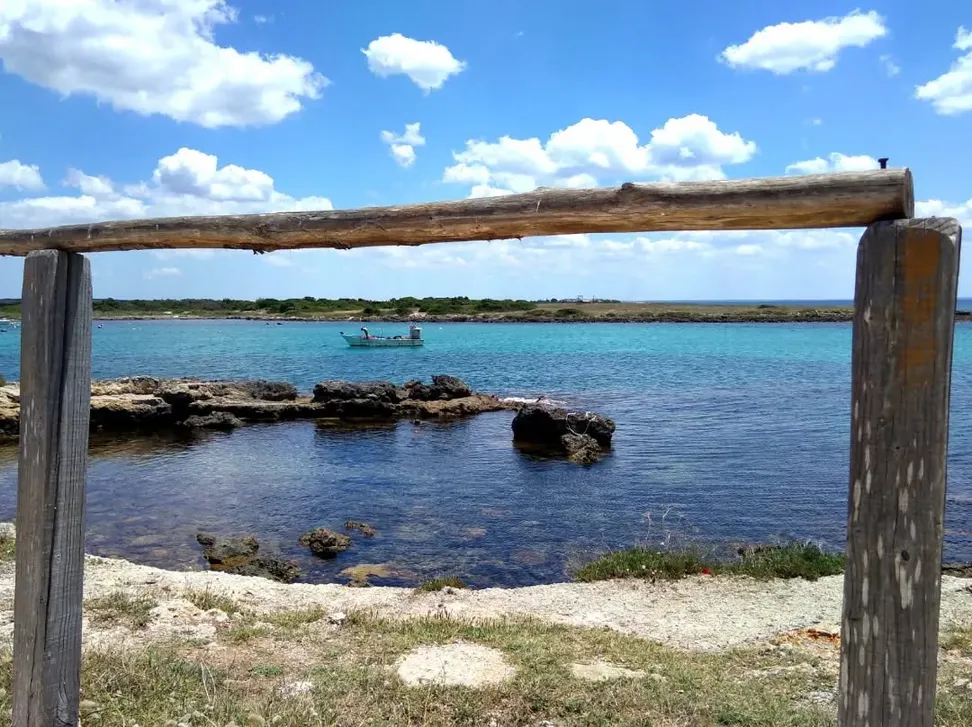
x,y
120,607
207,600
306,671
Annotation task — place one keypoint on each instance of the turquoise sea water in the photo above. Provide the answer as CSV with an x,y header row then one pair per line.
x,y
725,432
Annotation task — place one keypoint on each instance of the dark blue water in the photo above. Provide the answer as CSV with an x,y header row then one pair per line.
x,y
725,432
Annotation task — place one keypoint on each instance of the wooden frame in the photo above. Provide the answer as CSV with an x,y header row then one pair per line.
x,y
907,273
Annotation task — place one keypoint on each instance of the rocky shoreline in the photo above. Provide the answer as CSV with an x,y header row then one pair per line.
x,y
142,404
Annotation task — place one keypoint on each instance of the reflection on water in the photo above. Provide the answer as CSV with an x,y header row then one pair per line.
x,y
725,432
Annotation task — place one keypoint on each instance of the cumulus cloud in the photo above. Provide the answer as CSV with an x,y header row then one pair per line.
x,y
15,174
812,45
690,147
427,63
836,162
187,182
962,211
402,146
891,68
152,57
951,93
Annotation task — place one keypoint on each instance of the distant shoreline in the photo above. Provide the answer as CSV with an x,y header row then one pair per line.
x,y
561,312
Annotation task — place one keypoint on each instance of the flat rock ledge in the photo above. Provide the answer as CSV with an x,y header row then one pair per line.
x,y
146,403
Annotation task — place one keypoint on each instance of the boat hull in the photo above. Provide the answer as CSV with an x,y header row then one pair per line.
x,y
361,342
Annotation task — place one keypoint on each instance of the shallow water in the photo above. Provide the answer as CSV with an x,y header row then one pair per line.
x,y
725,432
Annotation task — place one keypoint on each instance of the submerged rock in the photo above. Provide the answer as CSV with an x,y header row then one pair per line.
x,y
272,567
240,556
226,552
582,436
364,528
325,543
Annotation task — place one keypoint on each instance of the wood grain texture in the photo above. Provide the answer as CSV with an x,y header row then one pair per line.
x,y
848,199
55,391
907,278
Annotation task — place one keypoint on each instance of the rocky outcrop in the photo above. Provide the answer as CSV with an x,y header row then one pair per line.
x,y
325,543
145,403
581,448
241,556
581,436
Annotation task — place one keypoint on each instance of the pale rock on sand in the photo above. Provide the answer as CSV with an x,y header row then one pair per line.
x,y
602,671
459,664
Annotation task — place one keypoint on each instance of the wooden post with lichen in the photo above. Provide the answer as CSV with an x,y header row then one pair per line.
x,y
55,403
904,315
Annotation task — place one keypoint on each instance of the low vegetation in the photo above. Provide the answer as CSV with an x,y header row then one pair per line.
x,y
437,584
793,560
120,607
207,600
336,675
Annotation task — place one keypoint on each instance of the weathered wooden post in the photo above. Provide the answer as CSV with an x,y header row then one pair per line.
x,y
907,279
55,396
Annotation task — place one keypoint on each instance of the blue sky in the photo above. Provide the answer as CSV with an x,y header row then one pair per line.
x,y
132,108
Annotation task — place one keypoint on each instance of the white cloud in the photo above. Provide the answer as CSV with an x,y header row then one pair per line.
x,y
951,93
163,273
261,19
20,176
890,67
93,186
188,182
402,146
812,45
426,62
962,211
836,162
152,57
690,147
748,249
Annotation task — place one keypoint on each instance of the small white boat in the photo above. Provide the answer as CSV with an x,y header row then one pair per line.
x,y
414,338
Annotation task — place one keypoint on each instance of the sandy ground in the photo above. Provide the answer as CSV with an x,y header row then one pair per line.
x,y
701,613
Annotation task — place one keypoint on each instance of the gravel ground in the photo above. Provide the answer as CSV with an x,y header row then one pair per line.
x,y
700,613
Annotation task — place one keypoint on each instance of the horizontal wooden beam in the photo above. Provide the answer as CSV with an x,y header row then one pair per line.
x,y
847,199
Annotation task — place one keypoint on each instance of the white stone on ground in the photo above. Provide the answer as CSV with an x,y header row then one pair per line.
x,y
459,664
602,671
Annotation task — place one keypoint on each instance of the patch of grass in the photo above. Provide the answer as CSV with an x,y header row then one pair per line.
x,y
8,550
267,670
794,560
243,633
353,683
207,600
294,620
958,639
120,607
437,584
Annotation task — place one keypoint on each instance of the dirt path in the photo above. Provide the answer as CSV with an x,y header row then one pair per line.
x,y
702,613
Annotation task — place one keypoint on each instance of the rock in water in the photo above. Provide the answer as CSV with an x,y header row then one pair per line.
x,y
268,566
325,543
364,528
228,552
270,390
442,388
240,557
383,391
217,420
557,430
581,448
